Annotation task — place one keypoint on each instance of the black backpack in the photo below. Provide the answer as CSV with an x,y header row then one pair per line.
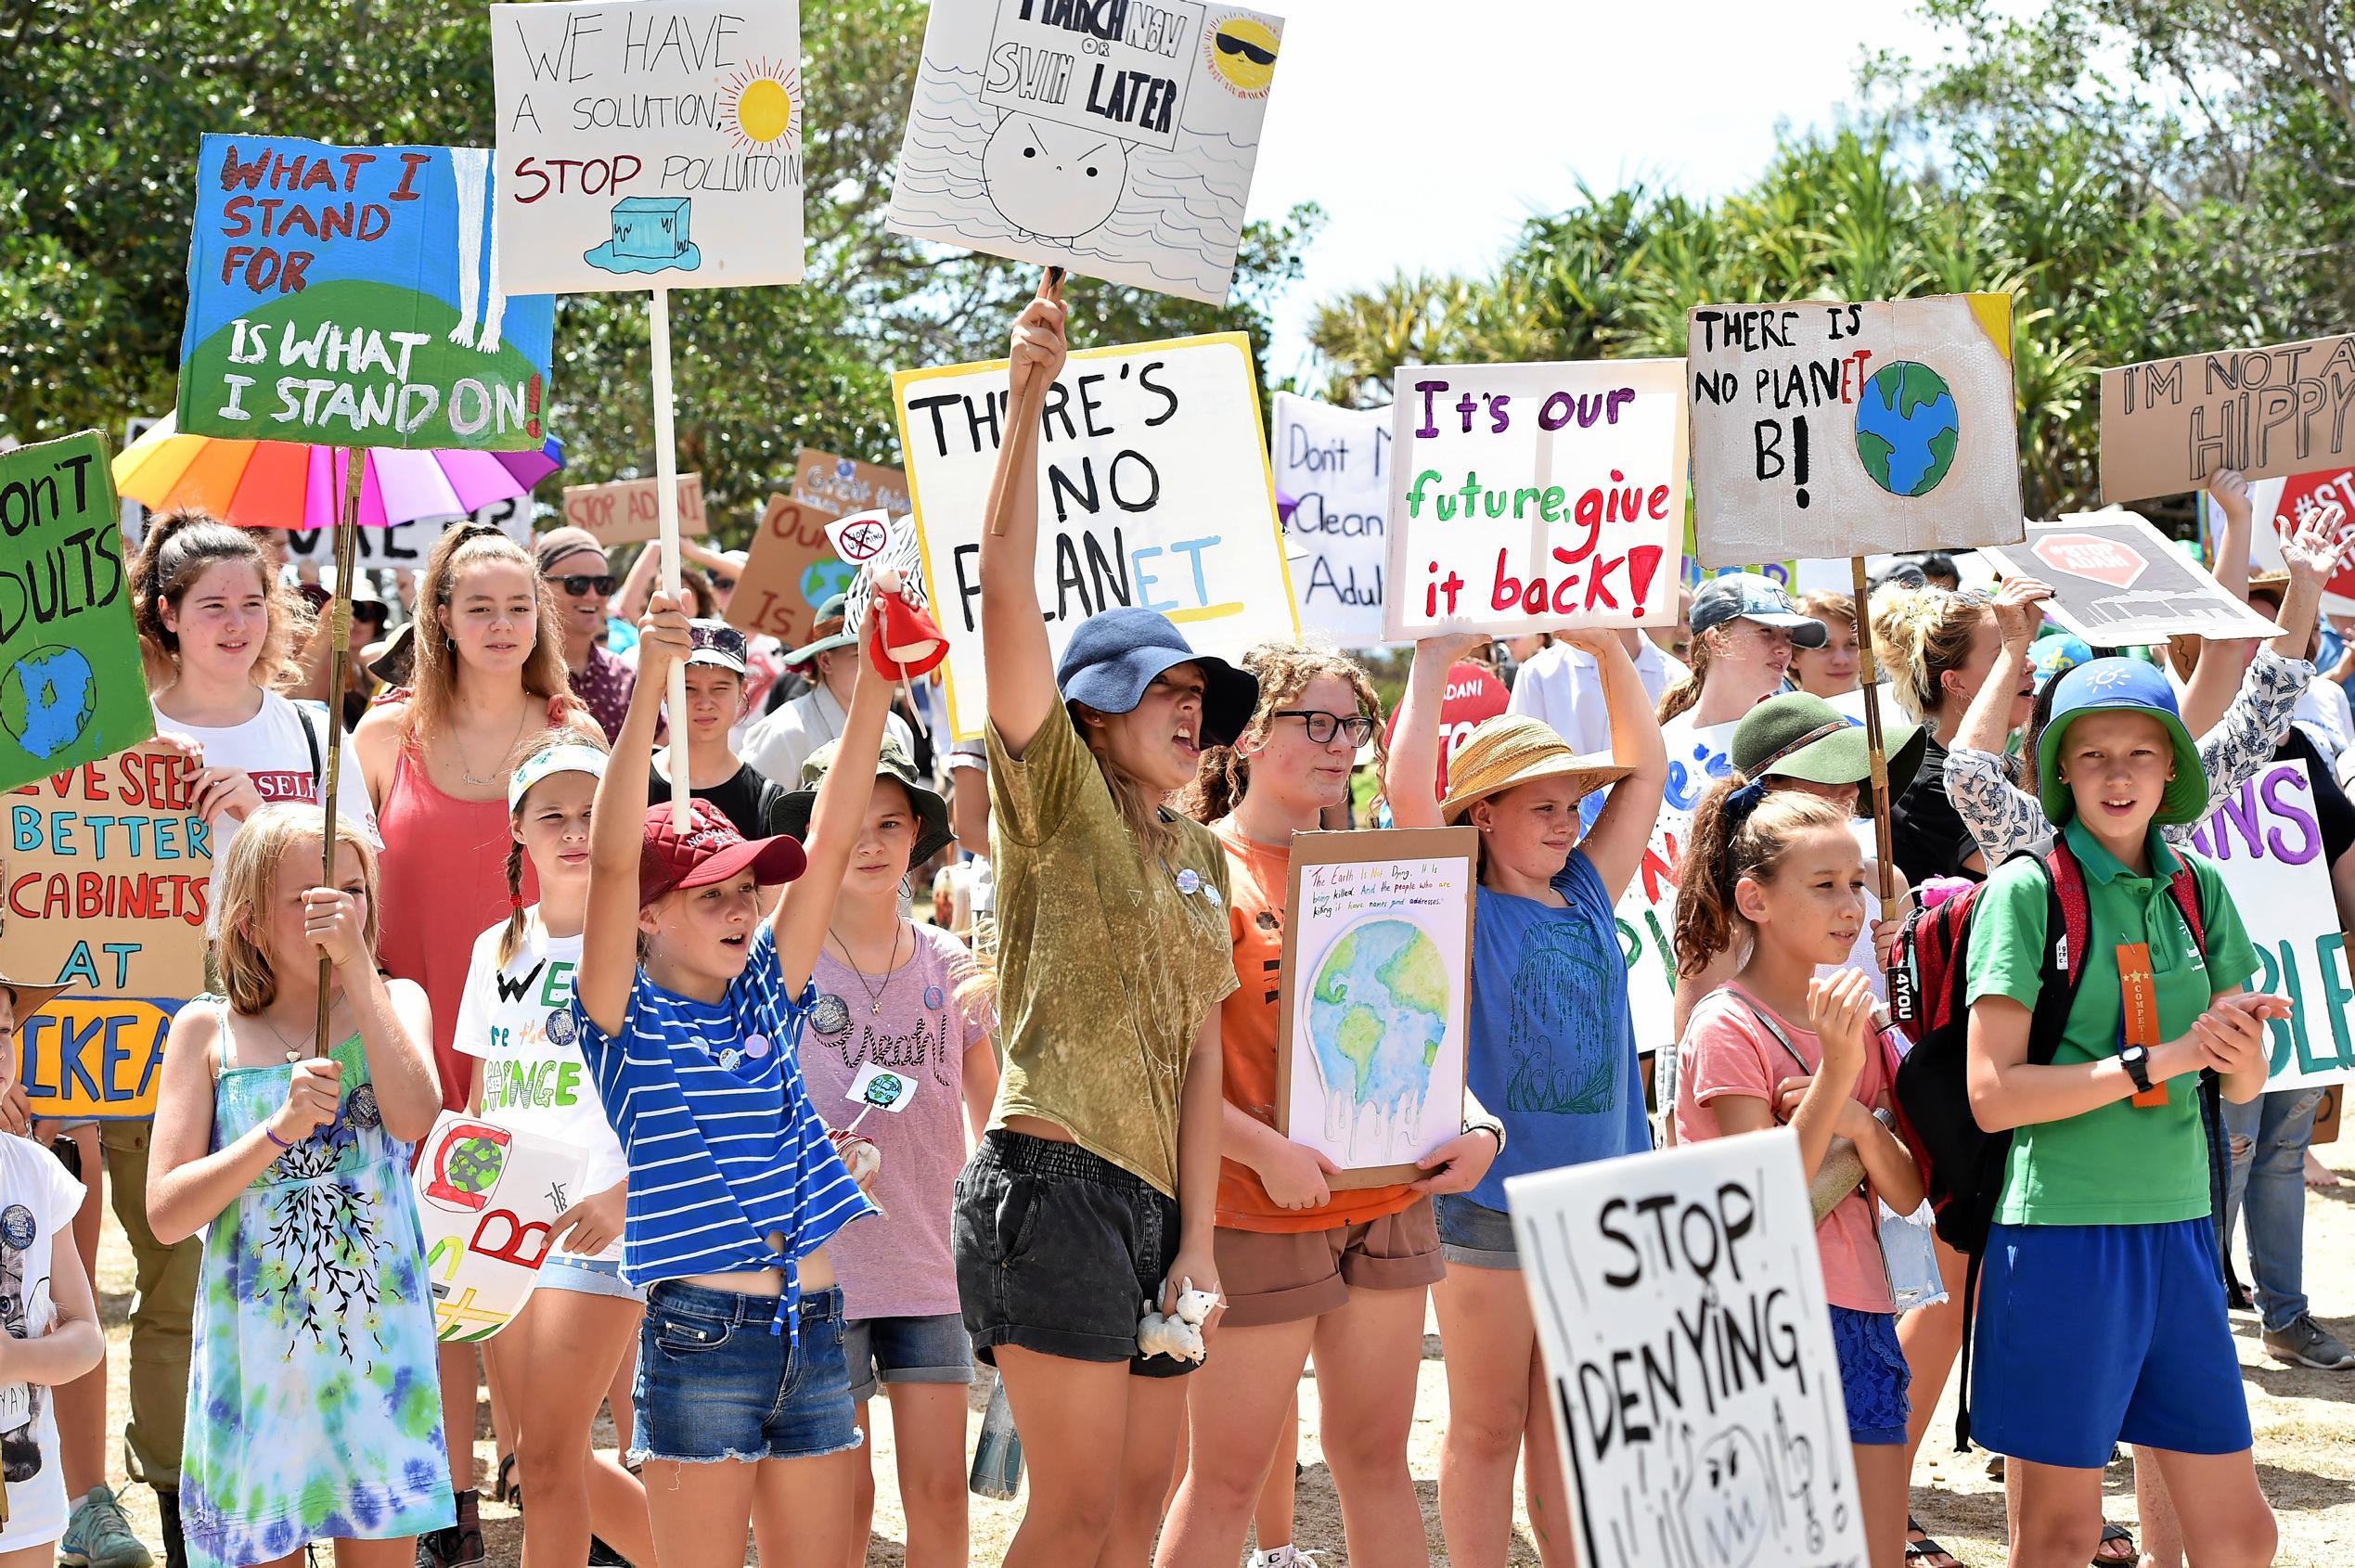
x,y
1962,1164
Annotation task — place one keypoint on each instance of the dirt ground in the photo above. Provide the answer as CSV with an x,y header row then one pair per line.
x,y
2305,1424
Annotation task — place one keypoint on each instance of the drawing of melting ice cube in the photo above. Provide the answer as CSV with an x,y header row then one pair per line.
x,y
649,234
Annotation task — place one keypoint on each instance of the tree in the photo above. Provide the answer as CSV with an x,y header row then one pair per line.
x,y
99,132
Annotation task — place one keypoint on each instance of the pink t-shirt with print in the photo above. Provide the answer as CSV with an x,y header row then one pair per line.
x,y
1727,1050
898,1265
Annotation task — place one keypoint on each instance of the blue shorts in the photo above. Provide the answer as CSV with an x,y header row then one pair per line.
x,y
1872,1375
905,1350
1473,1234
2094,1334
714,1384
587,1277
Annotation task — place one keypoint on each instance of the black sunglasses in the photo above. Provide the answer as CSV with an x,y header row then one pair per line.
x,y
725,585
1230,45
372,613
579,583
1321,725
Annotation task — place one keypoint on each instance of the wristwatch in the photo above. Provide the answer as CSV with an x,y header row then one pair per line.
x,y
1492,1127
2137,1062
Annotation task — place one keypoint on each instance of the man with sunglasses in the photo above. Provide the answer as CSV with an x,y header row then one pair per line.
x,y
573,564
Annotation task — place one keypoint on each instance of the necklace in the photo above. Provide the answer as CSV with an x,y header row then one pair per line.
x,y
465,769
293,1053
890,970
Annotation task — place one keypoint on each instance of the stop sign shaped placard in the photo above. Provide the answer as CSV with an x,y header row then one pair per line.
x,y
2113,561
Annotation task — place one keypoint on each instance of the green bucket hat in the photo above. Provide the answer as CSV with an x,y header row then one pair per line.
x,y
1798,735
932,833
2112,685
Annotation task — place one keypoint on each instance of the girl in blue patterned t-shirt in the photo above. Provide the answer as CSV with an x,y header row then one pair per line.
x,y
688,1002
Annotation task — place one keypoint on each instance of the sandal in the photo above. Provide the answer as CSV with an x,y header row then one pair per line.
x,y
1921,1551
505,1488
2115,1533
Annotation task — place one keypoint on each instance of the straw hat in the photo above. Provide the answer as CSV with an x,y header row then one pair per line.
x,y
1515,749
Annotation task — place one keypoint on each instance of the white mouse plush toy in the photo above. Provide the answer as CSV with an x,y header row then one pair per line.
x,y
1179,1335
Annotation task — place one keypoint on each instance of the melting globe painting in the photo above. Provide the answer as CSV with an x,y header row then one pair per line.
x,y
1377,1012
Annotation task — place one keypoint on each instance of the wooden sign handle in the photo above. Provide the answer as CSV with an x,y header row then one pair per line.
x,y
1871,675
339,630
666,525
1021,426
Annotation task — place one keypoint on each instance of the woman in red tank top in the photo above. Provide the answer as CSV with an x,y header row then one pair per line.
x,y
437,756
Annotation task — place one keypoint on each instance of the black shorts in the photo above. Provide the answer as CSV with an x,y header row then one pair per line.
x,y
1058,1251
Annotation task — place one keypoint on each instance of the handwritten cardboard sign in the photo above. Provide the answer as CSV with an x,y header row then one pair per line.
x,y
72,690
839,486
1370,1029
1116,141
1824,430
404,546
1528,497
1153,489
622,512
1680,1311
488,1196
2268,842
790,571
2167,424
657,143
2118,581
1332,491
351,296
105,876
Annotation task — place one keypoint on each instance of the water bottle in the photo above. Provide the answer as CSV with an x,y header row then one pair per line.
x,y
997,1458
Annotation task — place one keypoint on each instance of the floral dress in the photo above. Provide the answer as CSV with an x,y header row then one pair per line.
x,y
313,1407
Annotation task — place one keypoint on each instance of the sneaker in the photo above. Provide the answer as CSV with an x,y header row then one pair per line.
x,y
99,1537
602,1556
167,1510
2306,1342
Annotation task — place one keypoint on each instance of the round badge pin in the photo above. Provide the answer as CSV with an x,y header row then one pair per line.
x,y
17,1227
829,1015
560,1027
756,1047
730,1059
362,1107
933,998
1188,881
1211,894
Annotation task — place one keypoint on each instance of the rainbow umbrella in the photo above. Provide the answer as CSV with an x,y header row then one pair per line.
x,y
286,484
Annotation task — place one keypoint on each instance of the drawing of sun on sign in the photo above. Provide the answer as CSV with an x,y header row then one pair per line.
x,y
1377,937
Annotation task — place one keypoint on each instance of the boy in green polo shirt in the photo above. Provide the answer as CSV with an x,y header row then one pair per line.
x,y
2101,1312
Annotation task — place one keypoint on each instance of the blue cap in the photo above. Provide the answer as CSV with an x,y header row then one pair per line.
x,y
1114,655
1747,596
2111,686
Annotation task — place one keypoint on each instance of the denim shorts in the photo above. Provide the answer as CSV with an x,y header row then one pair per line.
x,y
719,1379
587,1276
1873,1378
1058,1250
905,1350
1472,1235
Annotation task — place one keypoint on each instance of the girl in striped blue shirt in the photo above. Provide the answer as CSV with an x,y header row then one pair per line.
x,y
687,1005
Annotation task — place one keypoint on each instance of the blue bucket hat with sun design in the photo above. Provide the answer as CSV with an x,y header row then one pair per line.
x,y
2120,686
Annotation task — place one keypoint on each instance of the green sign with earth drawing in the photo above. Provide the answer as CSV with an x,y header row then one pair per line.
x,y
70,687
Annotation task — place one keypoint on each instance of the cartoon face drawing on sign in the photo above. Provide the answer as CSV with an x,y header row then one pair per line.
x,y
1054,181
1725,1499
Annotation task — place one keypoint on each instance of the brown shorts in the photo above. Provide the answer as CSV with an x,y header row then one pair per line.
x,y
1289,1277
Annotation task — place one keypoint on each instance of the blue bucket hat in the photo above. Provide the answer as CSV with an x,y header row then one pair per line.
x,y
2113,686
1114,655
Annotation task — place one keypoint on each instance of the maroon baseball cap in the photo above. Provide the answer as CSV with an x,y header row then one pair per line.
x,y
710,851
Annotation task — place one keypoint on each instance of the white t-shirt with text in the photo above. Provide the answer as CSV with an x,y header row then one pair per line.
x,y
38,1201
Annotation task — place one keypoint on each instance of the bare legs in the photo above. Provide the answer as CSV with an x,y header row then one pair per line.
x,y
1496,1405
564,1342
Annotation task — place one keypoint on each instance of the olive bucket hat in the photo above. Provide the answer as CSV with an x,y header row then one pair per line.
x,y
1798,735
932,833
2120,686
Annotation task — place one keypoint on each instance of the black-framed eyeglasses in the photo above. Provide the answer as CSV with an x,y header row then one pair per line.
x,y
580,582
1321,725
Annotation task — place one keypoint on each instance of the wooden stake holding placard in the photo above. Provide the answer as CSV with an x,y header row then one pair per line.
x,y
1869,672
1022,418
339,631
666,520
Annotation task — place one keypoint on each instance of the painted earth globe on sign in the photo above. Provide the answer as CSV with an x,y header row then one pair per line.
x,y
1906,428
824,579
1377,1012
46,700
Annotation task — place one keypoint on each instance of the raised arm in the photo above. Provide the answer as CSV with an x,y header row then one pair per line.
x,y
1408,780
617,826
2312,554
1615,845
835,823
629,600
2231,492
1986,724
1015,652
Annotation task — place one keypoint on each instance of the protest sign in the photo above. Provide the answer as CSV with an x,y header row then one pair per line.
x,y
658,143
1828,430
1332,491
790,571
72,690
839,486
2167,424
2267,840
1681,1312
2288,502
1371,1031
1153,491
624,512
488,1196
108,872
1116,141
352,297
2118,582
1528,497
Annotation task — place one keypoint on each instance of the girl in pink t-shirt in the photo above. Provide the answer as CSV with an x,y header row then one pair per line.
x,y
1782,875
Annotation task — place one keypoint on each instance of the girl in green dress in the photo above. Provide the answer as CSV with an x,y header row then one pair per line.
x,y
314,1412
